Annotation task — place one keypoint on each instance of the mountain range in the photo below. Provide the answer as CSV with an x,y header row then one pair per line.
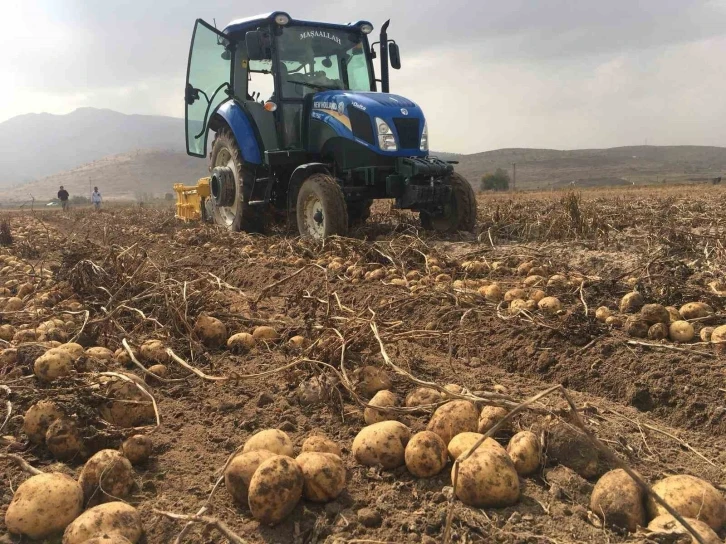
x,y
132,155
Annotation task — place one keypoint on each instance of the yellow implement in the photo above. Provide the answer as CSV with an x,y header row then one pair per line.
x,y
190,199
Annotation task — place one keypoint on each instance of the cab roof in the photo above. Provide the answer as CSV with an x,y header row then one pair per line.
x,y
239,27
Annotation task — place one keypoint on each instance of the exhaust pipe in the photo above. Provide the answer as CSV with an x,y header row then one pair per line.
x,y
385,86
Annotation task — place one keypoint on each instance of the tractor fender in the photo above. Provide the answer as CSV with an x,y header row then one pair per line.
x,y
300,174
244,130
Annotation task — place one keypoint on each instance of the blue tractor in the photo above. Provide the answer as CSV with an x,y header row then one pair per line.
x,y
301,131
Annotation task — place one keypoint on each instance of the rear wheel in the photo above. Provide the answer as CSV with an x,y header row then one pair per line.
x,y
458,214
233,184
321,209
359,211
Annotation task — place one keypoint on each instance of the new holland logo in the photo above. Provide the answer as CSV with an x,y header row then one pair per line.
x,y
404,111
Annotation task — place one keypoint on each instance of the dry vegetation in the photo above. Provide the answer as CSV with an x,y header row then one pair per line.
x,y
164,382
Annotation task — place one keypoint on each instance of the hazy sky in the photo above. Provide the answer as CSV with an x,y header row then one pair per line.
x,y
489,74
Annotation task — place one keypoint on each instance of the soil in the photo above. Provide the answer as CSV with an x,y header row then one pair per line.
x,y
661,408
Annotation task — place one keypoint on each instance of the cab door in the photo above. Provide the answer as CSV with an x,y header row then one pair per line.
x,y
208,84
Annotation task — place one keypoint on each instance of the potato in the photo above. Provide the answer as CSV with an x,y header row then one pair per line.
x,y
706,334
383,399
137,449
631,303
422,396
24,336
695,310
654,313
241,342
324,475
718,337
53,364
121,356
370,380
239,471
113,538
7,332
157,370
154,351
659,331
452,418
112,519
74,350
691,497
265,334
668,524
673,314
425,454
275,489
636,327
320,444
614,321
487,479
272,440
534,280
515,294
211,331
63,440
525,451
101,353
382,444
453,389
127,405
13,304
568,446
8,356
537,295
297,342
43,505
517,305
106,476
618,500
681,331
492,293
463,442
490,416
38,418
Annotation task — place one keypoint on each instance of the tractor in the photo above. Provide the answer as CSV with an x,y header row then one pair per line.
x,y
301,132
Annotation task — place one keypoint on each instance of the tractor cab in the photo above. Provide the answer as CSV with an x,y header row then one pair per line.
x,y
289,99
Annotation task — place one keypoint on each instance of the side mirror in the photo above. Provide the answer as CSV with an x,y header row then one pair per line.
x,y
395,55
255,42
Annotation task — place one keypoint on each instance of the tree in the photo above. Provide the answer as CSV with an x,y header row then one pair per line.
x,y
498,181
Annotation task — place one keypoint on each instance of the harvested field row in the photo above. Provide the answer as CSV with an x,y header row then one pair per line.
x,y
197,339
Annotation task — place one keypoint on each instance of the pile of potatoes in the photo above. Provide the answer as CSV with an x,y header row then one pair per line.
x,y
658,322
48,504
620,502
267,478
488,477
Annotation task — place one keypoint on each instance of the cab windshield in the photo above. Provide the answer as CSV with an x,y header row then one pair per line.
x,y
314,59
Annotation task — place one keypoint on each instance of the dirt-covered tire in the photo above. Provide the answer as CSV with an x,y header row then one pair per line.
x,y
459,214
238,216
359,211
321,210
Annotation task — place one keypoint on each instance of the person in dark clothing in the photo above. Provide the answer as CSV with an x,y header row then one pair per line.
x,y
63,197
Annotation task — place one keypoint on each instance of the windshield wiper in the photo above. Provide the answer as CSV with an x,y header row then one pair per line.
x,y
314,85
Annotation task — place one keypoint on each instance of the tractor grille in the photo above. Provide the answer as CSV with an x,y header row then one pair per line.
x,y
360,123
408,132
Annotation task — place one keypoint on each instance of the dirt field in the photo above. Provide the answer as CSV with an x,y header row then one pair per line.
x,y
138,274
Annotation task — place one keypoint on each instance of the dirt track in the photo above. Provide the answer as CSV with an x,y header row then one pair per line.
x,y
667,247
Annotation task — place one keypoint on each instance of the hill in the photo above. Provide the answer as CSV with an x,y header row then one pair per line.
x,y
122,176
544,168
40,144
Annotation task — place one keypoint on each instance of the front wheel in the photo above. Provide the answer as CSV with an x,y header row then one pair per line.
x,y
321,209
458,214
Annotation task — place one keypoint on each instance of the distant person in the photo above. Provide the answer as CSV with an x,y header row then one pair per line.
x,y
63,197
96,198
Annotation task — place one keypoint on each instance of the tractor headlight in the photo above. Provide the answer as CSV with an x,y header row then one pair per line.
x,y
366,28
425,138
282,19
386,139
